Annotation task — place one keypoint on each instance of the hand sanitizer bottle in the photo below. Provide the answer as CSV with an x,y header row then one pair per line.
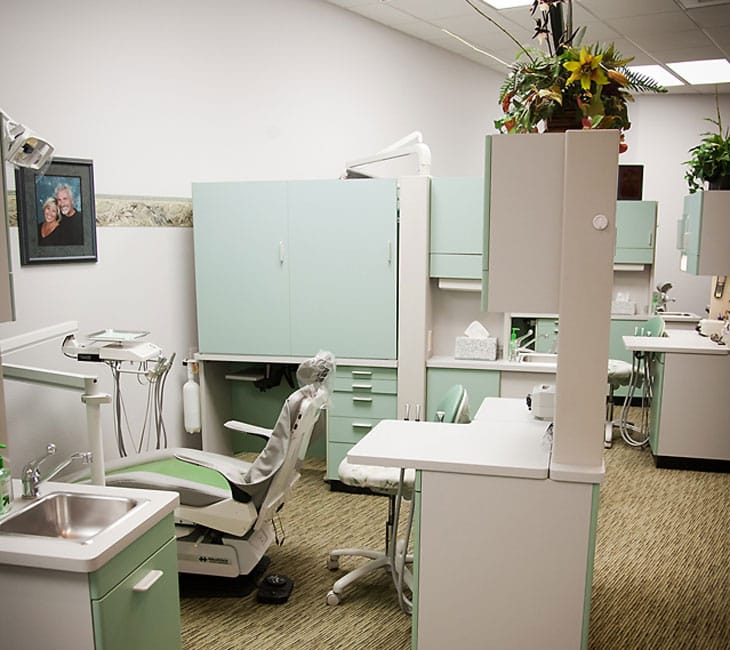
x,y
6,487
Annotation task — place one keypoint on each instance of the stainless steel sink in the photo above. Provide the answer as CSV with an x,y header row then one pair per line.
x,y
538,357
68,515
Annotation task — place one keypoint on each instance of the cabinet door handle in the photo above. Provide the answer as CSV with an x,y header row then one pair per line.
x,y
651,238
281,252
363,386
145,584
390,252
362,373
362,425
362,399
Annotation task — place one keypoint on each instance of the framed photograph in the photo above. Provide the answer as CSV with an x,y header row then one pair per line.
x,y
56,212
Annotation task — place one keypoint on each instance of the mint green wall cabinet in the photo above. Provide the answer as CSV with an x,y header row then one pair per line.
x,y
703,233
289,268
241,268
635,232
361,397
546,334
457,225
478,384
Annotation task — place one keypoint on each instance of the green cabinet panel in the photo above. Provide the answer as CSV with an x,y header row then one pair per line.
x,y
635,232
289,268
703,233
241,272
144,620
546,335
478,384
457,224
657,371
343,245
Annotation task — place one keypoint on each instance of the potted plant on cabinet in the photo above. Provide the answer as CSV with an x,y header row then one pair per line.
x,y
710,159
568,85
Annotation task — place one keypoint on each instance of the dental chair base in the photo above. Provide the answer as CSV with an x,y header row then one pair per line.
x,y
204,551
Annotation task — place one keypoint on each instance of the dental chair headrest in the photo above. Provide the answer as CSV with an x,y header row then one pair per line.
x,y
317,370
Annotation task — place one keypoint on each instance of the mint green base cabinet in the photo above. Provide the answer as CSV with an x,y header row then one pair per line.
x,y
457,223
635,227
143,620
361,397
478,384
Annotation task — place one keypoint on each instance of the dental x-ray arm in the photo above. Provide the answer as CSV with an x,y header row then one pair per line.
x,y
411,145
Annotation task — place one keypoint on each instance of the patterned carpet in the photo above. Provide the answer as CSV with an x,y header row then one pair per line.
x,y
661,581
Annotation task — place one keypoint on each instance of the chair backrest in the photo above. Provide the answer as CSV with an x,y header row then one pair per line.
x,y
653,327
454,406
305,407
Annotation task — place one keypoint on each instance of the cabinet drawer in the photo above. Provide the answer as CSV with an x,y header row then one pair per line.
x,y
365,385
138,615
363,405
118,568
365,373
349,430
466,267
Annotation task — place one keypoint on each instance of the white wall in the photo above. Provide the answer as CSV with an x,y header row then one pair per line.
x,y
161,94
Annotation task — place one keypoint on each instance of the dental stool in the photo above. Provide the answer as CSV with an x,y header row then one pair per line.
x,y
619,374
397,484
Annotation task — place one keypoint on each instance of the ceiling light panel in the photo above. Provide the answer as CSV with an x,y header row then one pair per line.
x,y
659,74
712,71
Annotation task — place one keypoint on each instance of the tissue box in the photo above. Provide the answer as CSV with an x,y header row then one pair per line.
x,y
468,347
623,307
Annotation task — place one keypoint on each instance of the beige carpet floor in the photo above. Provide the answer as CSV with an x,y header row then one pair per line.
x,y
661,581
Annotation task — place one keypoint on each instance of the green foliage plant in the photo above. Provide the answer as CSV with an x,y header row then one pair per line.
x,y
710,159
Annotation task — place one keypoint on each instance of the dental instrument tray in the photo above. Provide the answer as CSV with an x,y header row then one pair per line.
x,y
116,336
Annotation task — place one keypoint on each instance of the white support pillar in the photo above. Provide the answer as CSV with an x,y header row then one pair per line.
x,y
414,307
586,281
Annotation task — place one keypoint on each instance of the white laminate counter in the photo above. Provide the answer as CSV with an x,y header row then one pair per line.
x,y
503,365
85,557
680,341
494,448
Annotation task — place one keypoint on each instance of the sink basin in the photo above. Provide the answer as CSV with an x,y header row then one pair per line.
x,y
538,357
678,314
67,515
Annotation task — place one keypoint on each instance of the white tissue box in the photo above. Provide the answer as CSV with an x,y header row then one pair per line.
x,y
623,307
468,347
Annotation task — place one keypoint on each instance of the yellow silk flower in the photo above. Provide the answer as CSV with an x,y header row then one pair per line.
x,y
586,69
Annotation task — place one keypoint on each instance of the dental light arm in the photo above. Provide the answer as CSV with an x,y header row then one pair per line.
x,y
411,145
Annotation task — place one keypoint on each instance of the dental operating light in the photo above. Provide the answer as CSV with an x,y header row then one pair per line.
x,y
22,147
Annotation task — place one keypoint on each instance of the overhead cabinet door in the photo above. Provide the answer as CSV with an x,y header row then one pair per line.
x,y
344,267
289,268
241,267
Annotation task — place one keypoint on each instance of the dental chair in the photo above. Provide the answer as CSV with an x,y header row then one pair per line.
x,y
228,508
396,484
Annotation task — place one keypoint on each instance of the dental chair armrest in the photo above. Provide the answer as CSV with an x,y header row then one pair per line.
x,y
244,427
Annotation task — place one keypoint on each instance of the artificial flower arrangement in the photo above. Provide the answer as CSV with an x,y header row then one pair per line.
x,y
586,86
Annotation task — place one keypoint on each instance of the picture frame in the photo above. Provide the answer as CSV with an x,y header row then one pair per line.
x,y
57,212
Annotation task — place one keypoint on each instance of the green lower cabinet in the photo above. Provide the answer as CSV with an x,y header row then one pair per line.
x,y
478,384
134,598
362,396
657,368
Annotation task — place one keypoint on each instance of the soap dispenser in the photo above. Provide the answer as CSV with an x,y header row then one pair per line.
x,y
6,487
513,344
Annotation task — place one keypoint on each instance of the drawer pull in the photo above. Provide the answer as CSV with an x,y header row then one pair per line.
x,y
145,584
363,386
362,373
362,399
362,425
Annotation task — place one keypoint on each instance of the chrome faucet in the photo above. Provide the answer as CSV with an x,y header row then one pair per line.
x,y
31,476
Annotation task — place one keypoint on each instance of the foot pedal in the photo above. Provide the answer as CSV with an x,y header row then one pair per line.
x,y
275,589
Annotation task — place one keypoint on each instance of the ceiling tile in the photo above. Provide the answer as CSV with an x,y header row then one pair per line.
x,y
622,8
711,16
675,21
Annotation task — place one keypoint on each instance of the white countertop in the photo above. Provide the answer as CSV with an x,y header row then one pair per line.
x,y
681,341
503,365
69,555
496,448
